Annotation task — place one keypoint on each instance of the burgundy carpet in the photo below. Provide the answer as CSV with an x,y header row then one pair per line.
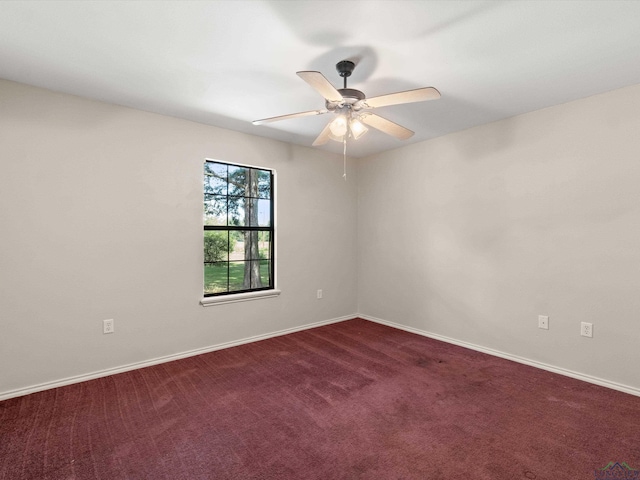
x,y
345,401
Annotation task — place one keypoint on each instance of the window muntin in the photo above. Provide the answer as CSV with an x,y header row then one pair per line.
x,y
238,229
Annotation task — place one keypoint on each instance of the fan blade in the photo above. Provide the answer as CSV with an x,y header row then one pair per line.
x,y
386,126
410,96
291,115
321,85
323,137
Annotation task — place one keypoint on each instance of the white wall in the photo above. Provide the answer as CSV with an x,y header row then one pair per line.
x,y
469,236
101,217
473,235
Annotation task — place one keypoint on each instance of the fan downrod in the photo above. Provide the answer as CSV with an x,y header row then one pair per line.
x,y
345,69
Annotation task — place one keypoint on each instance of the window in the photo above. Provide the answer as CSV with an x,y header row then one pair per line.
x,y
238,229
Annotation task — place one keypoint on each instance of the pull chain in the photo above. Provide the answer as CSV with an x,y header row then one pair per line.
x,y
344,156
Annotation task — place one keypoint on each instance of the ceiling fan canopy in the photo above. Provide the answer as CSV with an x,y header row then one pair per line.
x,y
351,107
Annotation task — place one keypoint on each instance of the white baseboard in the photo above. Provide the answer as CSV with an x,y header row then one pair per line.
x,y
256,338
508,356
167,358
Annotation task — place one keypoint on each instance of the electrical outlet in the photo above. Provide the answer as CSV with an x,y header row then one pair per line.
x,y
319,294
108,326
543,322
586,329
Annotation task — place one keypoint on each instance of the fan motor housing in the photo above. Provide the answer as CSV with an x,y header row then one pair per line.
x,y
351,94
350,97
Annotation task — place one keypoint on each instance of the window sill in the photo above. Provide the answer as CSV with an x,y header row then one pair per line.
x,y
240,297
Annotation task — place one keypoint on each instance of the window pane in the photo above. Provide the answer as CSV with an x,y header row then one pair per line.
x,y
236,245
215,210
216,246
265,273
215,178
264,245
263,208
264,184
237,211
256,279
237,180
215,277
251,245
236,276
252,217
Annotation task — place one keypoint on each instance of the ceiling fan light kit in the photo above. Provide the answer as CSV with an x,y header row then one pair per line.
x,y
357,128
339,126
351,107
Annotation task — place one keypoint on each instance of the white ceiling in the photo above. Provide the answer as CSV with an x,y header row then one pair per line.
x,y
226,63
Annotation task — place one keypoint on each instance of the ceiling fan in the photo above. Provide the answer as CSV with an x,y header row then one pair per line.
x,y
351,107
